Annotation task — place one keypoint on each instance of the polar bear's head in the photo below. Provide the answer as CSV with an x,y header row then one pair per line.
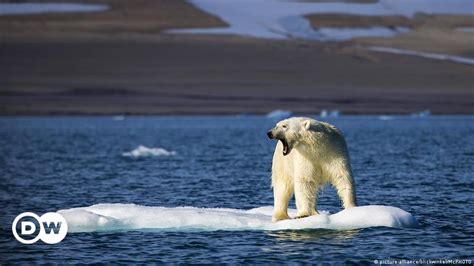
x,y
289,132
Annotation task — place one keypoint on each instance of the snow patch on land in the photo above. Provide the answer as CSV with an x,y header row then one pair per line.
x,y
276,19
37,8
453,58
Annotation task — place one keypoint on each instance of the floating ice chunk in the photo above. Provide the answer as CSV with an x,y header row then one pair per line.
x,y
386,117
279,114
118,118
142,151
334,113
35,8
421,114
83,219
110,217
324,113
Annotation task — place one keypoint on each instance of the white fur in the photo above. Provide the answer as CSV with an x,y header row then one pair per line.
x,y
318,155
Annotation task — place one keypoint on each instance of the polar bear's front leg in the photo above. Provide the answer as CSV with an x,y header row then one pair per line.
x,y
282,193
305,197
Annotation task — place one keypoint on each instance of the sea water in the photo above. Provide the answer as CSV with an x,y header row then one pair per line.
x,y
197,189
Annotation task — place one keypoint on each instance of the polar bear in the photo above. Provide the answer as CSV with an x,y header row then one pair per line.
x,y
308,155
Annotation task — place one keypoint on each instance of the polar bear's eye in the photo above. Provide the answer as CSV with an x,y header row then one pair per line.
x,y
284,126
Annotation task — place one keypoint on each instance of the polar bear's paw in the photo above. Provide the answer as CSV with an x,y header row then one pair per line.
x,y
301,215
280,216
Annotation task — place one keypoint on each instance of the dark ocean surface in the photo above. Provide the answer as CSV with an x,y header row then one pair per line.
x,y
422,165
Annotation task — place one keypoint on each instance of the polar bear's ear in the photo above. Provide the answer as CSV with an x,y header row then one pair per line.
x,y
306,124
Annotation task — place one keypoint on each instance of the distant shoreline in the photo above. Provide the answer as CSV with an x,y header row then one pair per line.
x,y
218,75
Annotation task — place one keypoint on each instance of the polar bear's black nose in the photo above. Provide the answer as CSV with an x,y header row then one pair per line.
x,y
270,134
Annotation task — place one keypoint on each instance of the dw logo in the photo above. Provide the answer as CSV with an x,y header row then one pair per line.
x,y
28,228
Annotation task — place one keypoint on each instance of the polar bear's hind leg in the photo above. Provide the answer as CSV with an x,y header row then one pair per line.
x,y
340,176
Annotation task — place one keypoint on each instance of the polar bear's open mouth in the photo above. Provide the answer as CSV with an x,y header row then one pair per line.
x,y
286,147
